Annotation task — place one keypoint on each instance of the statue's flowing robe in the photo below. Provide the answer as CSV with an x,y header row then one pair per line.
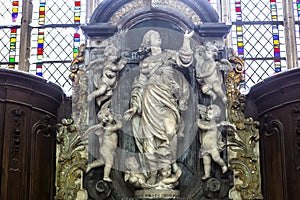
x,y
157,93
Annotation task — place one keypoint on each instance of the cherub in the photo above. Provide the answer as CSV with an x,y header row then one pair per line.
x,y
133,174
208,71
105,82
167,179
108,139
211,138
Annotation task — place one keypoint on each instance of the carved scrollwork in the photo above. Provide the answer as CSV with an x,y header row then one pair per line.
x,y
43,126
271,125
71,162
80,91
16,140
242,143
296,111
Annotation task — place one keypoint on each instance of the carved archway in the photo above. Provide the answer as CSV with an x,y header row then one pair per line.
x,y
112,16
107,10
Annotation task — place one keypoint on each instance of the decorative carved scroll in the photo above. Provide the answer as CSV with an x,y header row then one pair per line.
x,y
243,143
296,111
72,161
80,91
16,140
43,126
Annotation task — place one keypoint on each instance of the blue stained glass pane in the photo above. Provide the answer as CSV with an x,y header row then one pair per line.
x,y
240,50
276,54
40,45
14,15
277,69
39,73
275,37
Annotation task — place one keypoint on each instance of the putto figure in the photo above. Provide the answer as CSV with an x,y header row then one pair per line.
x,y
105,74
107,132
158,96
211,138
208,71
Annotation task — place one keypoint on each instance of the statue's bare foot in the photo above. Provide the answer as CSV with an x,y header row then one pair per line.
x,y
88,168
107,179
205,176
224,169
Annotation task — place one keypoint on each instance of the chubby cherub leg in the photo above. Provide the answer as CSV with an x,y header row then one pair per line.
x,y
207,90
207,166
219,91
106,176
215,154
108,155
96,163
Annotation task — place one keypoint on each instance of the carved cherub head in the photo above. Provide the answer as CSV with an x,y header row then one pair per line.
x,y
212,51
166,171
105,116
111,53
213,112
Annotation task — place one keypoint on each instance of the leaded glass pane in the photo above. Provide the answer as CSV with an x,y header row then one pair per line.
x,y
258,37
56,39
4,45
58,73
58,44
10,9
10,18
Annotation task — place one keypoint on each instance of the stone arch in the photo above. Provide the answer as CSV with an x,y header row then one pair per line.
x,y
188,13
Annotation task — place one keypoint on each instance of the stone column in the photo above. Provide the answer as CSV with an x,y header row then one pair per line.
x,y
290,38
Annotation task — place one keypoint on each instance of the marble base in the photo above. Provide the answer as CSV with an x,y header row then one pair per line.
x,y
157,194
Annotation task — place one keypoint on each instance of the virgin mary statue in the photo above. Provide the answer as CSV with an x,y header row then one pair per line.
x,y
159,94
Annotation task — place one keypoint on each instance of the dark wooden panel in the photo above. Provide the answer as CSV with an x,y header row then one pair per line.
x,y
30,106
275,102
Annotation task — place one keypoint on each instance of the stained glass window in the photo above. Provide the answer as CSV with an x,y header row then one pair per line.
x,y
258,37
55,37
10,19
257,32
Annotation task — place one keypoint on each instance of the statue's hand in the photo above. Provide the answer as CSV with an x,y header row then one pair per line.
x,y
129,113
188,35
